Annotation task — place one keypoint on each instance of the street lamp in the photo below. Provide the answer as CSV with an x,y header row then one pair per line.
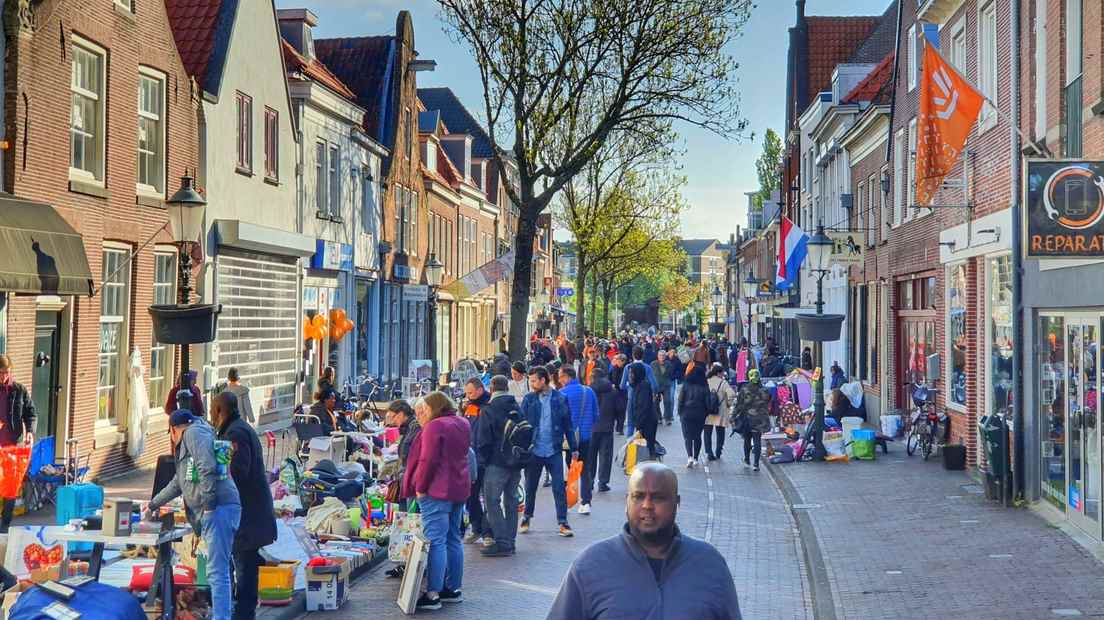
x,y
819,328
750,287
434,272
185,210
718,299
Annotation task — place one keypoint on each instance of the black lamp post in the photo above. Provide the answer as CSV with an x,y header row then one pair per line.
x,y
751,289
434,272
819,251
718,299
186,209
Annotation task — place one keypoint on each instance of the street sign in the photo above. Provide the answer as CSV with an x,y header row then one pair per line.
x,y
1064,209
847,248
415,292
565,292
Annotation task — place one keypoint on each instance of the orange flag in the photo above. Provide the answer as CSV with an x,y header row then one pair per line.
x,y
948,108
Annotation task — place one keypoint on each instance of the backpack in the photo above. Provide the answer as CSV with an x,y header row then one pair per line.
x,y
517,440
712,403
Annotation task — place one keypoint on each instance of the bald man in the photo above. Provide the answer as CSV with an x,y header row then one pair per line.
x,y
650,570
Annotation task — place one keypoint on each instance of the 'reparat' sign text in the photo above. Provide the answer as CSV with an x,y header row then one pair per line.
x,y
1064,209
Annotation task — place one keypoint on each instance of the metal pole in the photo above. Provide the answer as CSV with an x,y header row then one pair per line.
x,y
818,398
431,329
185,259
1018,471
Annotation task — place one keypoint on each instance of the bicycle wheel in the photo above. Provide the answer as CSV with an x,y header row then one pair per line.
x,y
912,441
926,445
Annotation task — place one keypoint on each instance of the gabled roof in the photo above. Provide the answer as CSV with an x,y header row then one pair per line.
x,y
314,69
365,65
457,118
832,40
202,30
696,247
881,41
875,86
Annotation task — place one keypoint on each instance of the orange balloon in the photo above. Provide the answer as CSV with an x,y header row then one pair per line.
x,y
318,320
337,315
336,332
348,325
316,332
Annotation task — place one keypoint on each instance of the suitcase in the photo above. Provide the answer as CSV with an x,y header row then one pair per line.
x,y
78,501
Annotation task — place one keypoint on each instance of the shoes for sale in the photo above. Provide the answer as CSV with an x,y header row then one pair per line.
x,y
524,527
495,551
451,596
565,530
603,488
429,604
584,509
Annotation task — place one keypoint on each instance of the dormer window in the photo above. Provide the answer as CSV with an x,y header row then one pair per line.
x,y
430,155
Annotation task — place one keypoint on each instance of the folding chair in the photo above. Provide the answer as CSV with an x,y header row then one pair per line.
x,y
306,427
44,475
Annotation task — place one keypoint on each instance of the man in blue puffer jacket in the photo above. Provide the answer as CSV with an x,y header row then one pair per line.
x,y
583,404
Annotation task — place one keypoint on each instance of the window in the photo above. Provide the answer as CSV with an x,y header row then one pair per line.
x,y
3,322
114,302
987,59
872,209
408,132
873,309
913,61
412,198
321,193
125,5
958,46
151,132
910,180
999,287
164,292
1074,37
86,120
245,133
450,254
431,155
957,343
1052,395
272,144
859,209
899,177
335,181
1074,90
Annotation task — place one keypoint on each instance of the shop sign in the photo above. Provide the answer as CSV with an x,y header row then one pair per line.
x,y
565,292
405,272
847,248
1063,209
310,298
332,255
415,292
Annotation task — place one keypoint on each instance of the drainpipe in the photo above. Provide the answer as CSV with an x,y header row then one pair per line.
x,y
1016,207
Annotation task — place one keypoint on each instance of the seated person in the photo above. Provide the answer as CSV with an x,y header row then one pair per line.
x,y
841,407
332,419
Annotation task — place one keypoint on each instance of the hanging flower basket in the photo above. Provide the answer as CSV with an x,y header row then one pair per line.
x,y
820,327
191,324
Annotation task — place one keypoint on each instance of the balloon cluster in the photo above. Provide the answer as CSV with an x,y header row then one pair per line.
x,y
335,327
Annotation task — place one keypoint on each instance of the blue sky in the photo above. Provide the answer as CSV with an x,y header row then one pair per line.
x,y
718,170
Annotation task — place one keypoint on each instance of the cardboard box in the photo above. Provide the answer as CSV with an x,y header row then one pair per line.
x,y
116,516
327,586
11,595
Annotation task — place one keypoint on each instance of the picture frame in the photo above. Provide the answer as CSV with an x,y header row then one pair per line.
x,y
411,587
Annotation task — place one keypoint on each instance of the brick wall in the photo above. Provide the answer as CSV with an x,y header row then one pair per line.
x,y
36,167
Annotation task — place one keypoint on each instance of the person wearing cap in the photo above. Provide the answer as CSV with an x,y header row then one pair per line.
x,y
211,499
753,401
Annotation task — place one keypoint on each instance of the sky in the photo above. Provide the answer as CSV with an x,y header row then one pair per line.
x,y
719,169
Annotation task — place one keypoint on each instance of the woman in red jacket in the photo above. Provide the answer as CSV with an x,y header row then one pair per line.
x,y
438,473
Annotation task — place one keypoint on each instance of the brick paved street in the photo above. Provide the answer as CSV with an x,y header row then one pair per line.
x,y
748,524
902,538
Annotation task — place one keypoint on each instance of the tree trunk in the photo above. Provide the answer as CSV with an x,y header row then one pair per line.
x,y
607,284
522,284
594,303
581,314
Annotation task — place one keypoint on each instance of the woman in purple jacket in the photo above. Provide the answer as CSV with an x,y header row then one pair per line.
x,y
438,470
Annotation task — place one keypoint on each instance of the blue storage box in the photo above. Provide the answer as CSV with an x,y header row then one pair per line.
x,y
862,433
78,501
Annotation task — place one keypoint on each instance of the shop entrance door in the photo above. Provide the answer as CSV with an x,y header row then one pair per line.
x,y
916,340
44,379
1082,421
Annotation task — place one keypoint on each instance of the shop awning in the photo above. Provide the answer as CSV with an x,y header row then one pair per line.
x,y
42,253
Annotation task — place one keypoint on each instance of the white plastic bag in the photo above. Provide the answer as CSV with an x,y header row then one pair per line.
x,y
139,407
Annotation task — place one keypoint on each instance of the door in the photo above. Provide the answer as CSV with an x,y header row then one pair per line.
x,y
44,379
916,340
1082,421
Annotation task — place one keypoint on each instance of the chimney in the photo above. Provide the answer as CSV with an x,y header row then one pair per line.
x,y
295,28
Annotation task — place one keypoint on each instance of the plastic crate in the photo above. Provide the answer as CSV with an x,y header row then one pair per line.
x,y
863,433
277,576
275,597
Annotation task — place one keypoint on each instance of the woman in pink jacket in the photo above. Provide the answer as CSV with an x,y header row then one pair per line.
x,y
437,472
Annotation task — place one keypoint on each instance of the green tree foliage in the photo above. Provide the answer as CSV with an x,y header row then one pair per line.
x,y
766,167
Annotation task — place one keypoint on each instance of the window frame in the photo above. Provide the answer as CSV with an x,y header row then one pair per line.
x,y
126,5
948,345
122,343
913,61
333,180
959,46
988,64
1073,42
271,144
244,132
80,44
156,348
884,206
321,181
900,194
149,73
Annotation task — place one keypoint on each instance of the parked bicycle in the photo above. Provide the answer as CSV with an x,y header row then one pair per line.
x,y
925,422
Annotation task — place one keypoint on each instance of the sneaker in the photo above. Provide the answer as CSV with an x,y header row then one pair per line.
x,y
451,596
524,527
756,468
603,488
488,541
565,530
495,551
584,509
429,604
690,463
472,537
711,458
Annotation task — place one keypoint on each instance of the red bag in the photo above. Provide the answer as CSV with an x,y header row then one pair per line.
x,y
13,467
141,576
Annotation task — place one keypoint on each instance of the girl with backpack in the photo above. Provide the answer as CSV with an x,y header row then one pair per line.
x,y
716,423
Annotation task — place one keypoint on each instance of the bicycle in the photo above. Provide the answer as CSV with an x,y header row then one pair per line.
x,y
923,423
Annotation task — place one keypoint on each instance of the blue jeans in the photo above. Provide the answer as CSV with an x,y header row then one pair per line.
x,y
441,525
219,528
554,465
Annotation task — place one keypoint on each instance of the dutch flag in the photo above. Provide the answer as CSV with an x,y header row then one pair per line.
x,y
792,246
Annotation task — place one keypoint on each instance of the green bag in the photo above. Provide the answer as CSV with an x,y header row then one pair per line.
x,y
863,449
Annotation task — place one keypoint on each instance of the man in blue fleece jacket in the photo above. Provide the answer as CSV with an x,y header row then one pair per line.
x,y
583,405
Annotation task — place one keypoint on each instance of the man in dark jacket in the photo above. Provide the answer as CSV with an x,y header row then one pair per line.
x,y
503,474
616,374
474,406
258,525
547,412
661,370
17,422
600,459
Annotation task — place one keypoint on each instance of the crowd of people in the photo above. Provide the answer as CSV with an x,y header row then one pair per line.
x,y
524,424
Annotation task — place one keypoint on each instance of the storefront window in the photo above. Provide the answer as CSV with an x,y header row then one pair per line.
x,y
1052,409
956,333
1000,333
363,310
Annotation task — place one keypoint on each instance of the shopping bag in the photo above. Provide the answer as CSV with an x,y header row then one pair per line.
x,y
33,552
573,475
13,467
405,526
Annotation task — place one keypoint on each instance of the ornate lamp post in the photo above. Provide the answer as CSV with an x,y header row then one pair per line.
x,y
750,287
819,328
718,299
434,272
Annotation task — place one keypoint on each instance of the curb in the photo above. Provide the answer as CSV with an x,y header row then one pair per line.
x,y
824,607
297,607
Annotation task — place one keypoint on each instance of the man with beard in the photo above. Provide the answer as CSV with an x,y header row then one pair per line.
x,y
650,570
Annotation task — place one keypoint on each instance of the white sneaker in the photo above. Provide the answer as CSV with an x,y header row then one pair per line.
x,y
690,463
584,509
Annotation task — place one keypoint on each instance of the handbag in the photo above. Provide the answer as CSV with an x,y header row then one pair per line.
x,y
394,492
741,424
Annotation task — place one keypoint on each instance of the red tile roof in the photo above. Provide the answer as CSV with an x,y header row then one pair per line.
x,y
874,87
314,69
362,64
193,25
832,40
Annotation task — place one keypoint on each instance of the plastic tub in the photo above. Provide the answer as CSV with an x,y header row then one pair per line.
x,y
863,434
277,576
850,423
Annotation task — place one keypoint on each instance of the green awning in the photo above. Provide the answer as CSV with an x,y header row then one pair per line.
x,y
40,253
